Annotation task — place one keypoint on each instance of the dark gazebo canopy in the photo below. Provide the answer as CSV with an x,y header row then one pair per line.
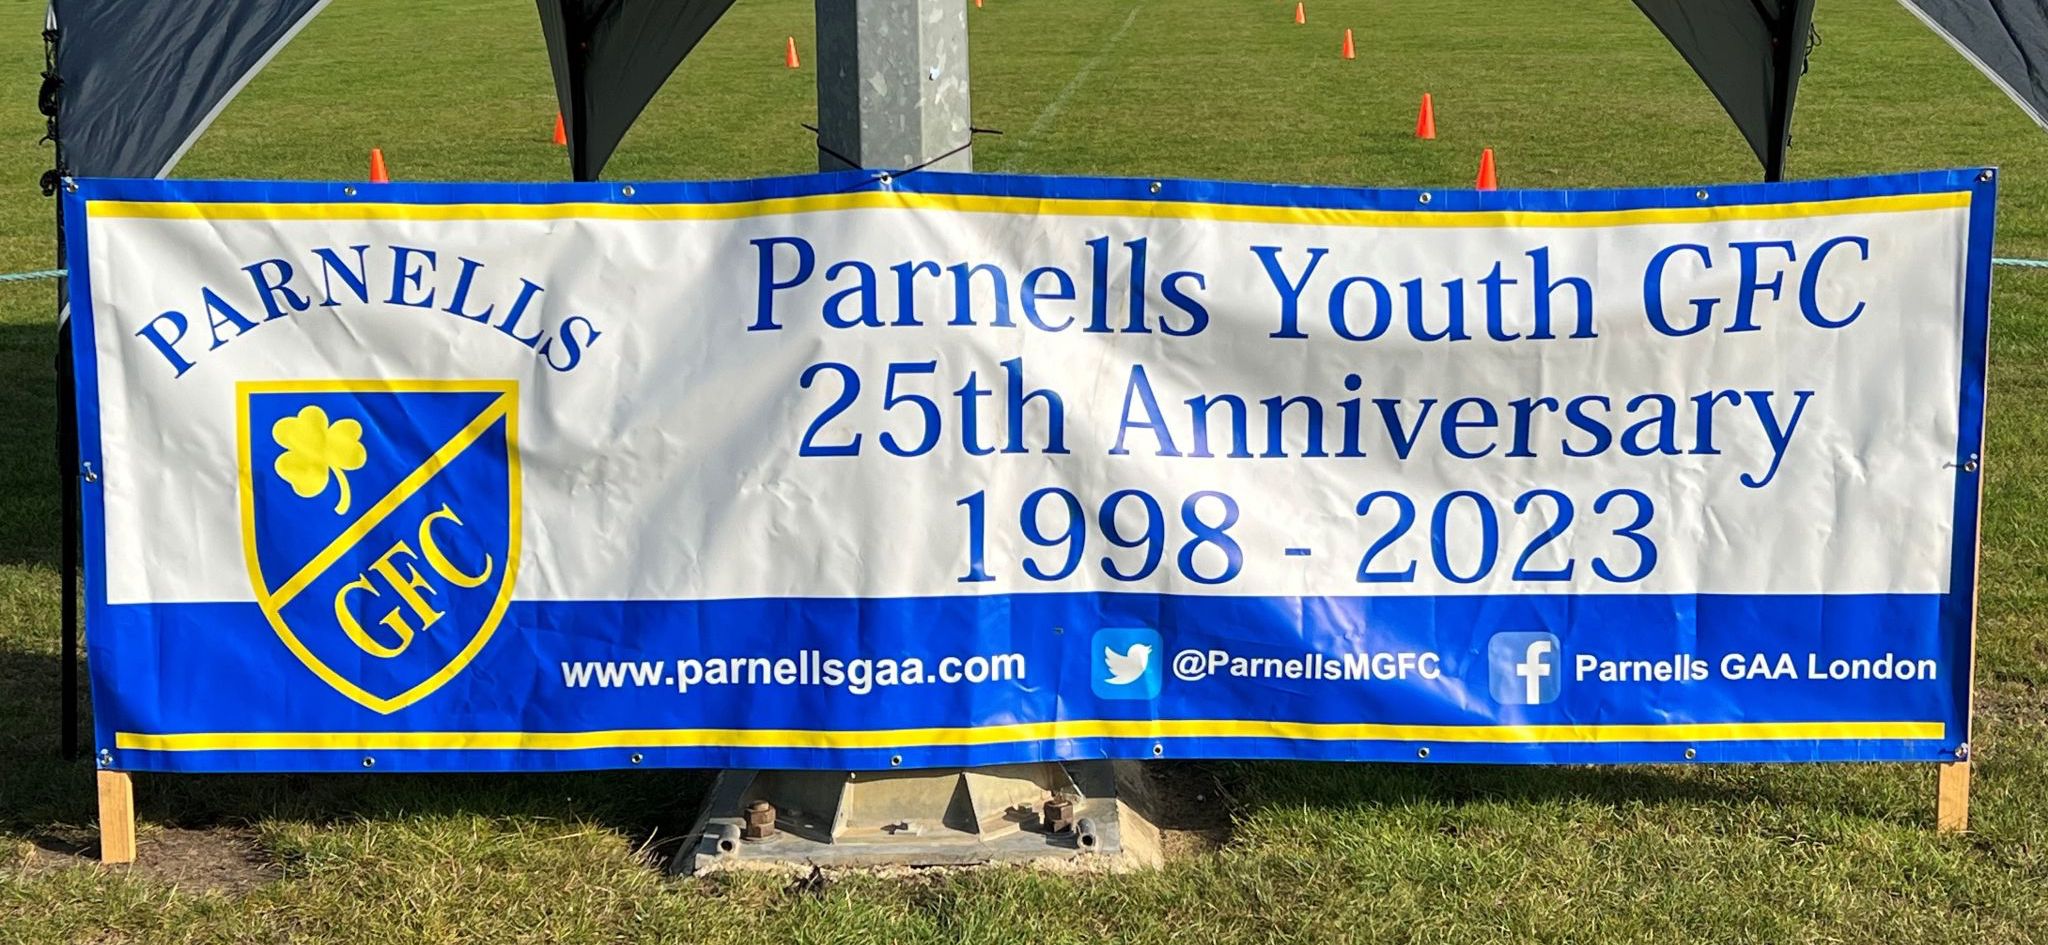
x,y
134,84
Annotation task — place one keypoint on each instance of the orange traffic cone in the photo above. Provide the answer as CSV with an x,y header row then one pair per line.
x,y
1487,180
789,56
378,175
1350,51
1425,121
561,131
1300,14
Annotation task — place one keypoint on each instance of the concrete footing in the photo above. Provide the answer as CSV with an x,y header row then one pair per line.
x,y
1100,818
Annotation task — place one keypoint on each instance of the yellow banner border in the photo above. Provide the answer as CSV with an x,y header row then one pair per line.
x,y
1027,206
915,738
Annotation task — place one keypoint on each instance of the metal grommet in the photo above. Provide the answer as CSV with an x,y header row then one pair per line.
x,y
1963,752
626,191
1422,752
1155,186
369,762
71,185
349,191
1702,194
1158,749
1986,174
91,474
1422,197
106,758
1970,465
1690,754
885,179
895,760
636,759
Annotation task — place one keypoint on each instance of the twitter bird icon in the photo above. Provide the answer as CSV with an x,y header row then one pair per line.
x,y
1125,663
1127,667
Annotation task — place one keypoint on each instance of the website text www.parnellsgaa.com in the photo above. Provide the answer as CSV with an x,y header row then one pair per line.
x,y
858,676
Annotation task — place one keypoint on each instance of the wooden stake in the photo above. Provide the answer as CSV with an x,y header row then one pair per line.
x,y
117,817
1952,798
1952,791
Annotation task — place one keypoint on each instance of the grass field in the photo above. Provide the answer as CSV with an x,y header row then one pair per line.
x,y
1570,93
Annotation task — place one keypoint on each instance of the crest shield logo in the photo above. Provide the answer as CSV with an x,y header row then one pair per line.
x,y
380,523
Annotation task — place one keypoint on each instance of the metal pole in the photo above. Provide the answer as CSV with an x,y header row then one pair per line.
x,y
893,85
892,95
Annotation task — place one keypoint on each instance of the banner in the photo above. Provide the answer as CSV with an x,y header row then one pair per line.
x,y
842,471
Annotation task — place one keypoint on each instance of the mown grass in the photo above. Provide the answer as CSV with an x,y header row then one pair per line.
x,y
1569,93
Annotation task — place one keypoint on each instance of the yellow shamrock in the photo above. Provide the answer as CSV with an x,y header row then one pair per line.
x,y
313,448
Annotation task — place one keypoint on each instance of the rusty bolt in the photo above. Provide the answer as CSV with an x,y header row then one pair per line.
x,y
1059,815
760,821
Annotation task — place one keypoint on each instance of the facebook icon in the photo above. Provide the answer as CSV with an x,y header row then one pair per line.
x,y
1526,667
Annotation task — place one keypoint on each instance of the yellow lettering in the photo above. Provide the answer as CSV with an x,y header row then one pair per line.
x,y
355,630
438,561
408,586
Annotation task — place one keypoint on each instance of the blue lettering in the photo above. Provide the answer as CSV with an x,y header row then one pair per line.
x,y
1665,423
1382,308
1454,423
457,305
1809,288
1575,414
963,293
168,346
269,289
572,347
1746,258
764,305
358,279
1198,315
1290,288
220,313
510,326
1403,437
864,289
1030,296
1140,390
1779,437
1653,292
402,276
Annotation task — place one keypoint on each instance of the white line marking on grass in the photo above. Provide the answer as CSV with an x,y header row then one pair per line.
x,y
1052,109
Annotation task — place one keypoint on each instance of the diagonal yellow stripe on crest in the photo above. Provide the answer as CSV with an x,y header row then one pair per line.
x,y
382,509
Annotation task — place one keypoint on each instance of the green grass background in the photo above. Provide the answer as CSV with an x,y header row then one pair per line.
x,y
1570,93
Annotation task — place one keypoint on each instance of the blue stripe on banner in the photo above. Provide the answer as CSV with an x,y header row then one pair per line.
x,y
1737,678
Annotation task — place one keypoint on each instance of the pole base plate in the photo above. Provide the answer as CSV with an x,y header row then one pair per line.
x,y
938,817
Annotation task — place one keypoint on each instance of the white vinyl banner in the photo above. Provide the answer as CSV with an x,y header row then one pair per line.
x,y
758,385
988,388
